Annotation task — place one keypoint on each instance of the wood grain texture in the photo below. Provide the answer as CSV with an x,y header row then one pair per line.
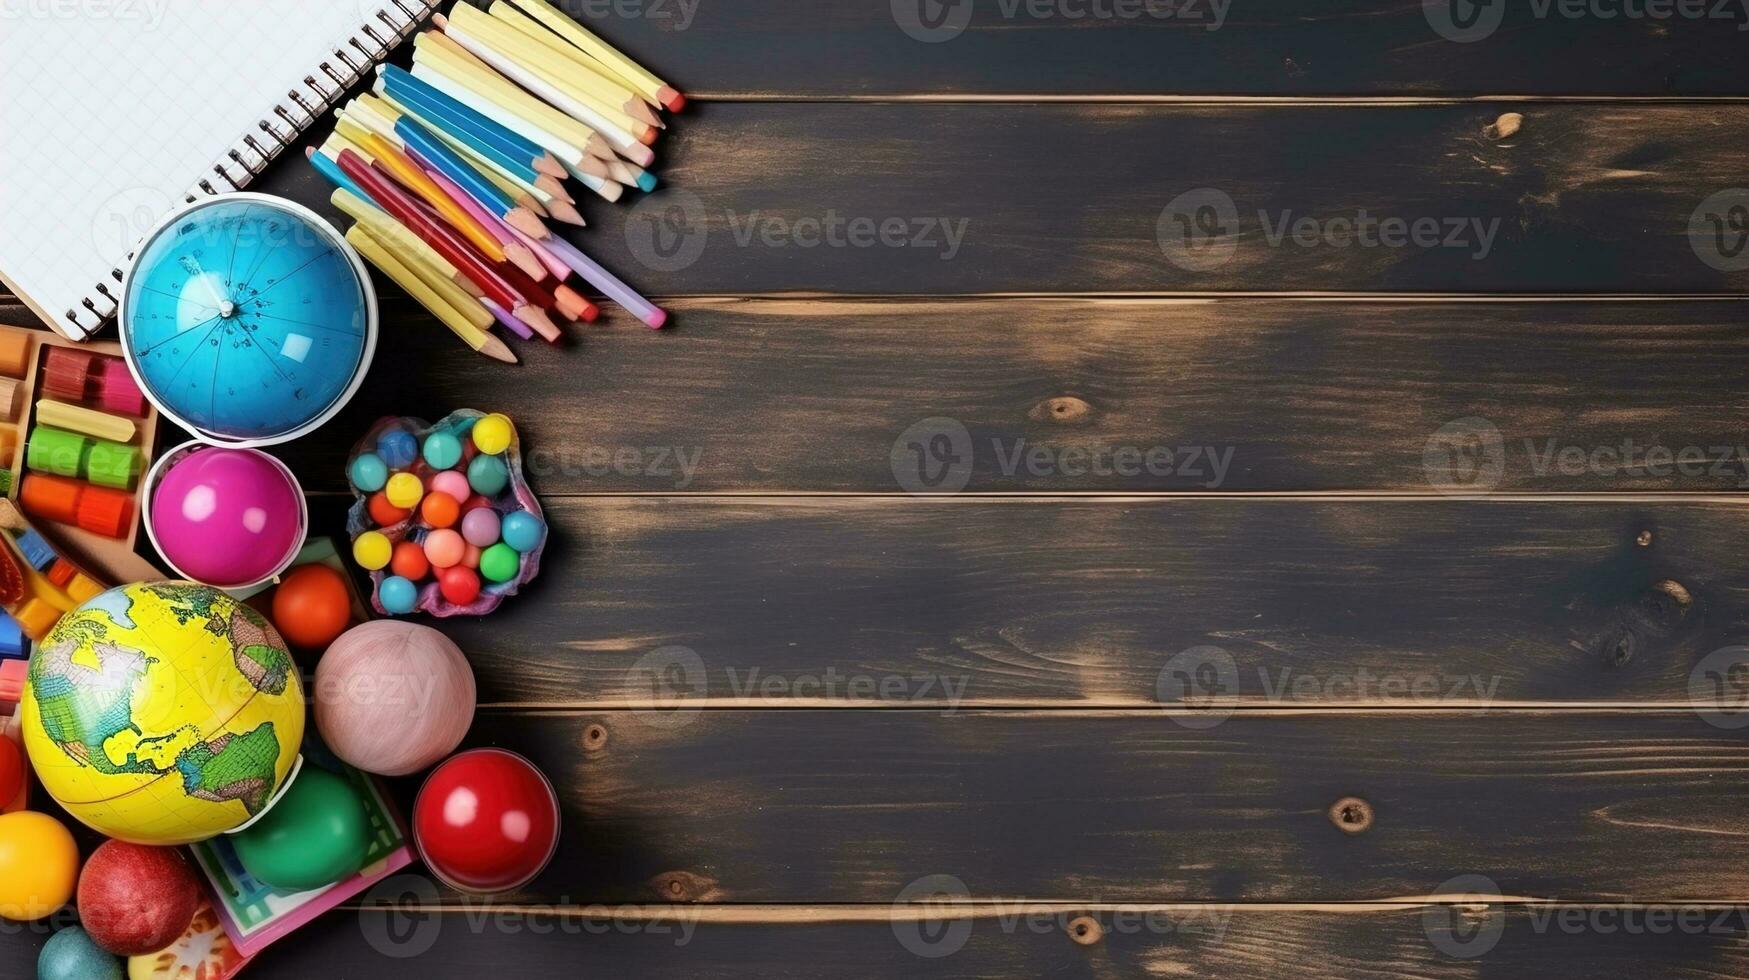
x,y
853,806
1069,198
1130,395
1095,602
1104,47
1214,943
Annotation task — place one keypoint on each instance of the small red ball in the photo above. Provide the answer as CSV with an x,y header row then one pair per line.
x,y
312,606
486,821
459,584
135,900
384,513
475,503
408,561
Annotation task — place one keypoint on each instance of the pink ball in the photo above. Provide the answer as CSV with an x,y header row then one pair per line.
x,y
444,548
451,482
471,556
393,676
227,517
480,527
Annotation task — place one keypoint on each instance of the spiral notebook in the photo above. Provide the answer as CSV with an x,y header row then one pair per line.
x,y
117,112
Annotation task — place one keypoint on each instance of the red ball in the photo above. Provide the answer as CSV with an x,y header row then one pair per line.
x,y
459,584
135,899
440,509
384,513
475,503
486,821
409,562
312,606
11,770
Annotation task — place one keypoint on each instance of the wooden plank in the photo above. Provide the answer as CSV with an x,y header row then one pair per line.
x,y
871,602
811,806
1265,47
1218,943
932,199
1133,395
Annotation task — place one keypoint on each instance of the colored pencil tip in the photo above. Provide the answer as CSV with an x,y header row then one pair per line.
x,y
671,97
657,318
590,313
648,136
565,212
647,182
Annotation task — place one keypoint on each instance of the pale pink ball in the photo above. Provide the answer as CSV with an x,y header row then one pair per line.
x,y
393,697
227,517
480,527
451,482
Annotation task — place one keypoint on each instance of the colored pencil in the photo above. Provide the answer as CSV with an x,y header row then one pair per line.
x,y
494,225
610,285
412,177
467,119
399,242
640,79
581,70
501,204
326,166
380,256
403,206
522,60
509,322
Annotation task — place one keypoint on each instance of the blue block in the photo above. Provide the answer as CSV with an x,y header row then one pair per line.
x,y
13,645
36,550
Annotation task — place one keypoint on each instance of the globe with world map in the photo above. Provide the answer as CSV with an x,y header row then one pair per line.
x,y
163,713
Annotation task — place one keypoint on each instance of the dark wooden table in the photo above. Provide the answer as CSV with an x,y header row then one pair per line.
x,y
1276,603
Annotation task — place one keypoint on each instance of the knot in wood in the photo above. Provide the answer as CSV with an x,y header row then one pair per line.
x,y
1505,126
1351,814
595,737
1086,930
1066,409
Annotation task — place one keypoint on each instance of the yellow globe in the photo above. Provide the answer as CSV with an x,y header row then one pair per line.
x,y
162,712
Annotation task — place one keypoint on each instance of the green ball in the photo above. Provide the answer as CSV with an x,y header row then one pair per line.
x,y
500,563
72,954
314,836
488,475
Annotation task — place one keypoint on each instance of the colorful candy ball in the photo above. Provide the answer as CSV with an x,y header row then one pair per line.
x,y
227,517
398,595
71,954
522,531
39,865
368,472
488,475
500,563
440,509
392,676
460,584
385,514
486,821
493,433
409,561
311,607
480,527
135,899
372,550
442,450
444,548
451,482
397,448
404,490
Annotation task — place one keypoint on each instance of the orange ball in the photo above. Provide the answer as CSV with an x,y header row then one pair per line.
x,y
440,509
384,513
312,606
409,561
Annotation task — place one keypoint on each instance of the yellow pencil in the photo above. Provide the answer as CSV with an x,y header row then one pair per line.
x,y
412,249
655,90
380,256
415,180
585,72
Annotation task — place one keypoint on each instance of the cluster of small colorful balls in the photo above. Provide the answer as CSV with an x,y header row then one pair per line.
x,y
462,534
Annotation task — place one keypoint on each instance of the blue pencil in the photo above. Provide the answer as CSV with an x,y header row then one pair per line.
x,y
402,82
453,166
331,170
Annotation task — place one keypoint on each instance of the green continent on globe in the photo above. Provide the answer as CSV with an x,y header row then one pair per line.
x,y
188,604
232,767
260,655
83,707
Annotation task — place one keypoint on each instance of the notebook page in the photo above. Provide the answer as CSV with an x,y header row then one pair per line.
x,y
115,110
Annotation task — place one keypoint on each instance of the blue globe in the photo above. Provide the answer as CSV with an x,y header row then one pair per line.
x,y
247,319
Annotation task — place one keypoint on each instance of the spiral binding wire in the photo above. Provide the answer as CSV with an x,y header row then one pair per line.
x,y
304,104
